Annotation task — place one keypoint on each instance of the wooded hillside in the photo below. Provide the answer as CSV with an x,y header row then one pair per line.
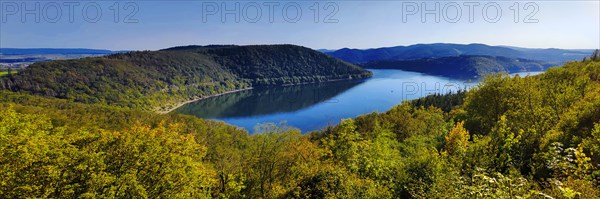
x,y
156,80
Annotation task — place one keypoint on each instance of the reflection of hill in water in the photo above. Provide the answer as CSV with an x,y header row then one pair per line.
x,y
262,101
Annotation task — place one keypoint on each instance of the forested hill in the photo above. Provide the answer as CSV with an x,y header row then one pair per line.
x,y
519,137
419,51
463,67
160,79
278,64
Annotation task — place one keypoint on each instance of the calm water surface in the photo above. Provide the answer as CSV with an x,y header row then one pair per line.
x,y
314,106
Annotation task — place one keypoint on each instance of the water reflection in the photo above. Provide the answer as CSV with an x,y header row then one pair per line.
x,y
314,106
264,101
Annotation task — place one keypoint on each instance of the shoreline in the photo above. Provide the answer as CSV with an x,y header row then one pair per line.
x,y
180,104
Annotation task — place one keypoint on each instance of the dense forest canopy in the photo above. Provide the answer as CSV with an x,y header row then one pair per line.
x,y
521,137
437,50
464,66
157,80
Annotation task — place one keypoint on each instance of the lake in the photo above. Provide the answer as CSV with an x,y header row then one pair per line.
x,y
312,107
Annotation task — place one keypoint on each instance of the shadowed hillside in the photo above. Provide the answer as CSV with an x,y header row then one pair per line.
x,y
160,79
419,51
463,67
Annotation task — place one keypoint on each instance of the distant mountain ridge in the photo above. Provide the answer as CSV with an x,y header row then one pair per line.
x,y
437,50
464,66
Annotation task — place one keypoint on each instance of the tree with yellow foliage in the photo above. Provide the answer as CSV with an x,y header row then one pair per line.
x,y
457,140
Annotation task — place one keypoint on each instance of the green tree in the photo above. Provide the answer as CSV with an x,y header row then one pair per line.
x,y
41,160
35,157
278,158
147,162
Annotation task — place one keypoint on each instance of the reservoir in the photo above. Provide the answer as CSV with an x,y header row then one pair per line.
x,y
312,107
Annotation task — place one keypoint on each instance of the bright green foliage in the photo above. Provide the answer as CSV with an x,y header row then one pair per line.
x,y
423,170
370,147
496,185
531,137
226,145
40,160
379,159
505,145
35,157
373,158
345,144
3,73
277,159
593,144
145,162
530,121
480,154
335,182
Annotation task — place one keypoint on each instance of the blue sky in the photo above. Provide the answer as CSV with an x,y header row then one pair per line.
x,y
160,24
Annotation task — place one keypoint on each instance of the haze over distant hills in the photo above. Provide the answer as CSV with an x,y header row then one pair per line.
x,y
459,60
26,56
47,51
444,59
419,51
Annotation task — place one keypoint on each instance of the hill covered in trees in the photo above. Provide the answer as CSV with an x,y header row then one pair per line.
x,y
520,137
159,79
464,66
419,51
